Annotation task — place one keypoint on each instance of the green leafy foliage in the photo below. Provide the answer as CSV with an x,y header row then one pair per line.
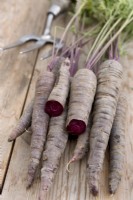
x,y
102,10
114,19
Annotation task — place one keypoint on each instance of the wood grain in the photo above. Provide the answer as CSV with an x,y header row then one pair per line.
x,y
71,186
16,18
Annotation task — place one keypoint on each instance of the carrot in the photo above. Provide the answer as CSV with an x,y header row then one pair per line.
x,y
40,121
23,123
117,145
56,142
25,120
109,83
82,146
57,99
55,64
82,92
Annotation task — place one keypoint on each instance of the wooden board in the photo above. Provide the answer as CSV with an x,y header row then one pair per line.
x,y
67,186
16,18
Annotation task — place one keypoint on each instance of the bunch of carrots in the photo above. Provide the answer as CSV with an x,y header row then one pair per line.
x,y
86,102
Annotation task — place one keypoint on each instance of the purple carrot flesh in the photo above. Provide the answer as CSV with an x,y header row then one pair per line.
x,y
23,123
82,92
109,83
57,99
40,121
117,145
56,142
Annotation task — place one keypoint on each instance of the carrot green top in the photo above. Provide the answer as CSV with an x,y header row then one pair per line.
x,y
114,18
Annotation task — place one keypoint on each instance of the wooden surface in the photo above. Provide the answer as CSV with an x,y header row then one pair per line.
x,y
18,74
16,19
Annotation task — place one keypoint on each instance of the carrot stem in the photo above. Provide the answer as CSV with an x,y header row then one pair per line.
x,y
100,35
103,41
71,21
126,22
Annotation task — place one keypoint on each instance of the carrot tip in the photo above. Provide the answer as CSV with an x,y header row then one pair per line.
x,y
67,168
68,165
10,140
111,190
28,185
27,131
94,191
111,195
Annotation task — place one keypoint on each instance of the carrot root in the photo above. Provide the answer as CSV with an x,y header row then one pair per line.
x,y
57,99
56,142
108,89
117,145
23,123
82,92
68,165
40,121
